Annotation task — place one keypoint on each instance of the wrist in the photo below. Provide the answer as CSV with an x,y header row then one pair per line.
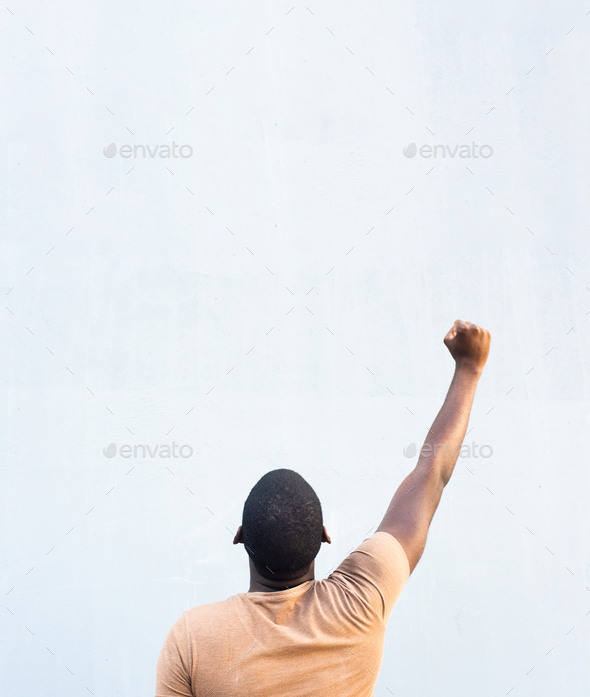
x,y
468,368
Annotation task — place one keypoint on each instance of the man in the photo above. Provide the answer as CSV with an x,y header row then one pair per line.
x,y
291,635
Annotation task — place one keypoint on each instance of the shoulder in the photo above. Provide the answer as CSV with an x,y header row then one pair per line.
x,y
196,624
202,615
375,573
381,550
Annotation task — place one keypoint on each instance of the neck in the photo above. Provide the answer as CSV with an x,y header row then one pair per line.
x,y
260,584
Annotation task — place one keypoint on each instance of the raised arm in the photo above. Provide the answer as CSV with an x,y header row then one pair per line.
x,y
413,505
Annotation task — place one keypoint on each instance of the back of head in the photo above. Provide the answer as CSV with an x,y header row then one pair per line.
x,y
282,525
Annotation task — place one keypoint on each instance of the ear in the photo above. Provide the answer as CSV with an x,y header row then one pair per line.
x,y
239,538
325,536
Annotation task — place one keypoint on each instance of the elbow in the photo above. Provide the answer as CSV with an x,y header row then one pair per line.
x,y
444,479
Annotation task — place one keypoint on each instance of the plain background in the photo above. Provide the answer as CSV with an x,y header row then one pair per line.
x,y
279,299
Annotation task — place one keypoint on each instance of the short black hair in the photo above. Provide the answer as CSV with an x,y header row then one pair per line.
x,y
282,525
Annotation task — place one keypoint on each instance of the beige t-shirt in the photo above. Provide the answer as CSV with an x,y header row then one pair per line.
x,y
319,638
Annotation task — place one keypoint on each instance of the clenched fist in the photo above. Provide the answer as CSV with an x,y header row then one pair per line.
x,y
469,345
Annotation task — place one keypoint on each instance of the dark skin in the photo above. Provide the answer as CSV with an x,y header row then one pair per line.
x,y
410,512
259,584
415,502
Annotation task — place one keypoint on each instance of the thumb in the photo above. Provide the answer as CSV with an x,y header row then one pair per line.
x,y
452,333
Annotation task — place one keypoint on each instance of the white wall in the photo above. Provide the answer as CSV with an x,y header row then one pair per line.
x,y
146,301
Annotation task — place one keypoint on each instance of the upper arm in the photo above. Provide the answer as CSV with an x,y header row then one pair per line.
x,y
411,510
173,677
372,576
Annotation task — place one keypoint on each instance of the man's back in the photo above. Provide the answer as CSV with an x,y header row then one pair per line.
x,y
319,638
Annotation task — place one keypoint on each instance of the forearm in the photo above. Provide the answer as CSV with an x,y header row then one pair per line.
x,y
443,443
410,512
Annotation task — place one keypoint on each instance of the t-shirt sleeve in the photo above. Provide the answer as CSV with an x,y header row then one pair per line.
x,y
173,670
375,573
